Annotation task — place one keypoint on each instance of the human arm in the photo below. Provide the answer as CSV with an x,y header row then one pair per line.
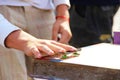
x,y
35,47
61,25
31,46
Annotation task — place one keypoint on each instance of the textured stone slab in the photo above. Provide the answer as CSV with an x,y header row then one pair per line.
x,y
74,72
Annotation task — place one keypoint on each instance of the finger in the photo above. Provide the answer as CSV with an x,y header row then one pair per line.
x,y
45,50
56,48
64,39
36,53
55,33
66,47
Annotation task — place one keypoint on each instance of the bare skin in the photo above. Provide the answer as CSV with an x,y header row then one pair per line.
x,y
61,26
34,47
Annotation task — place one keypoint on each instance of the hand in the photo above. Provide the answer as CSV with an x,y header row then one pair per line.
x,y
40,48
35,47
61,26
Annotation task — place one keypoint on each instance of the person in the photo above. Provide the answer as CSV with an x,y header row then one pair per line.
x,y
116,28
91,21
36,17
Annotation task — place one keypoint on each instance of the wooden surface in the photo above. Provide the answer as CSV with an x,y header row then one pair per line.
x,y
99,55
96,62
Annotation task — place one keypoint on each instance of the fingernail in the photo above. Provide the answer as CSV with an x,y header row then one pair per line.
x,y
73,49
38,55
50,52
62,50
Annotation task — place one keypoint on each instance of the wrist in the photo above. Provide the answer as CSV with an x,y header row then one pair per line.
x,y
18,40
63,17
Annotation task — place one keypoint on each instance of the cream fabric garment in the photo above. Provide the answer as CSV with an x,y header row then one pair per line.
x,y
41,4
35,21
